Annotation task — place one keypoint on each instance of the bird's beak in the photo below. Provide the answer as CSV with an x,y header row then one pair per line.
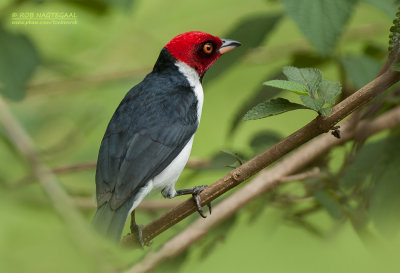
x,y
228,45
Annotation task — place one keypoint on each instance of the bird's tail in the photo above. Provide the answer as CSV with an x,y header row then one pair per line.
x,y
109,222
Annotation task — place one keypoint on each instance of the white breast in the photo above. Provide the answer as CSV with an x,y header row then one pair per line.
x,y
167,178
170,174
194,80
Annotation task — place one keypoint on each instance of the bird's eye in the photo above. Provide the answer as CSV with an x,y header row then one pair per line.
x,y
208,48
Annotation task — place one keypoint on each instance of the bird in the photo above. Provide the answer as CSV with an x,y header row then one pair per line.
x,y
149,138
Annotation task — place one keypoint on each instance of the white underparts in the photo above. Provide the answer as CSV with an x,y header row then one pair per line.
x,y
167,178
140,195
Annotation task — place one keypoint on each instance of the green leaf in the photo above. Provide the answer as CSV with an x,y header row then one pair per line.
x,y
311,78
272,107
308,59
329,90
235,155
288,86
325,111
394,36
395,67
330,202
321,21
385,201
360,69
388,6
361,169
314,104
219,161
374,175
18,60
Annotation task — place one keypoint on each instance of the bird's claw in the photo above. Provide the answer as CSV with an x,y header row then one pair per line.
x,y
196,191
137,230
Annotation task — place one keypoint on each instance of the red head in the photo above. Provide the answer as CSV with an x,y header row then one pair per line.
x,y
199,50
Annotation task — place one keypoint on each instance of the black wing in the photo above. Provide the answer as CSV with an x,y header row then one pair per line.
x,y
147,131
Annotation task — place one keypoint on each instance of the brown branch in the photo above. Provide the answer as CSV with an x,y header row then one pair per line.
x,y
267,180
316,127
85,166
301,176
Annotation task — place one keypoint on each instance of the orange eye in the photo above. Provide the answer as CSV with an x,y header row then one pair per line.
x,y
208,48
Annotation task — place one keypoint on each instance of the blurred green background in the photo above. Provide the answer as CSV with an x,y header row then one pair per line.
x,y
63,82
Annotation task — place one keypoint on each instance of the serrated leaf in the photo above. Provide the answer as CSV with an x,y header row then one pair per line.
x,y
18,60
388,6
325,111
321,21
288,86
272,107
329,90
314,104
394,36
311,78
360,69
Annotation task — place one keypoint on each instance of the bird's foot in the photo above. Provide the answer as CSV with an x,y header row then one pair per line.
x,y
195,191
137,230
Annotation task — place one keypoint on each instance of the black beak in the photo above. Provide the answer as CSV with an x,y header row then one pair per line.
x,y
228,45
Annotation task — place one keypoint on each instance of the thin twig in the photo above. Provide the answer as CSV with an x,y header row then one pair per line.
x,y
301,176
265,181
85,166
193,163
